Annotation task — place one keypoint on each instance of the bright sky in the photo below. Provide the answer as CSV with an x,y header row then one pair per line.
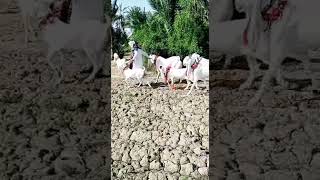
x,y
131,3
139,3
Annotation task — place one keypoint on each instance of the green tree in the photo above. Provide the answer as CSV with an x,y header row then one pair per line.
x,y
136,18
119,37
154,32
190,30
176,27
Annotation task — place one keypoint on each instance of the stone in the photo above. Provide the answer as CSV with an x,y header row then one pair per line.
x,y
170,167
279,175
154,165
94,161
203,171
126,157
144,162
153,176
186,169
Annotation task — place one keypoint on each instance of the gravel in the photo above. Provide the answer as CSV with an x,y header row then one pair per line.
x,y
278,138
158,133
45,132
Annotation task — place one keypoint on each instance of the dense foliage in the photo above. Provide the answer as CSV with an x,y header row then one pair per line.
x,y
176,27
119,37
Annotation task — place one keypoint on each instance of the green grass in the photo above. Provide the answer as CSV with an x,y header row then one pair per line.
x,y
185,178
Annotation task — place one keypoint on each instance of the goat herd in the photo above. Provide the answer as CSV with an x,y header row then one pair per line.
x,y
90,34
87,34
196,68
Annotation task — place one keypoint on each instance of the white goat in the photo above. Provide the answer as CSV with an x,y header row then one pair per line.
x,y
159,61
137,73
87,35
115,57
174,73
197,69
118,61
186,60
286,39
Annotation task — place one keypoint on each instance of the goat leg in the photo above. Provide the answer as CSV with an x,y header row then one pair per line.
x,y
174,87
61,75
92,58
275,63
188,84
227,62
196,84
140,82
158,76
172,84
126,81
101,61
49,57
282,82
169,85
253,67
192,87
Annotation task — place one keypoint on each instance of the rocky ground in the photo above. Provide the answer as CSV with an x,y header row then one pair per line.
x,y
64,132
158,133
276,139
45,132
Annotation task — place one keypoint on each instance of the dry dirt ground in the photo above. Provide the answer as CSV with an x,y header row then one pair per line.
x,y
49,133
276,139
158,133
